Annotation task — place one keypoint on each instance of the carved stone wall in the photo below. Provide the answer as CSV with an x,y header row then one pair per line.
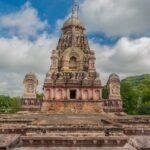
x,y
63,93
74,107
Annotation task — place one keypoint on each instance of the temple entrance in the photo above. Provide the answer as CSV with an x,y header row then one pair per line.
x,y
72,94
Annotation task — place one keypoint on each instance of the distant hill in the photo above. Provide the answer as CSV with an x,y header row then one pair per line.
x,y
136,80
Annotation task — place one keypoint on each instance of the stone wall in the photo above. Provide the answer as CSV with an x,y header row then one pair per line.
x,y
112,106
72,107
29,104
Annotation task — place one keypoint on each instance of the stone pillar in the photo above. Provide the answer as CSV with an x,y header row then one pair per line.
x,y
114,103
65,93
92,62
54,61
29,100
114,87
54,95
30,85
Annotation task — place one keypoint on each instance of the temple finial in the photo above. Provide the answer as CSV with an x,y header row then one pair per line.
x,y
75,9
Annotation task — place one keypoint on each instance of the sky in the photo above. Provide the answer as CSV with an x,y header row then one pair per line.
x,y
118,32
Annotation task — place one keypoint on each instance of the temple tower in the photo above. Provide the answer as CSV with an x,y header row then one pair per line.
x,y
72,83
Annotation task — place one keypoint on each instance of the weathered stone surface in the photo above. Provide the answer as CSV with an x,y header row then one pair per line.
x,y
75,107
61,130
7,141
129,147
140,142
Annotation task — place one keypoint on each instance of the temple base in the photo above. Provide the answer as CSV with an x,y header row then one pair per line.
x,y
112,105
31,104
74,107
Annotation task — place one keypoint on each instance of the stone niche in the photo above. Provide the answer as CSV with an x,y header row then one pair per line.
x,y
72,93
72,100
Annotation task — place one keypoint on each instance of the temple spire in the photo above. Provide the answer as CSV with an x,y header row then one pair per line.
x,y
73,32
75,9
74,15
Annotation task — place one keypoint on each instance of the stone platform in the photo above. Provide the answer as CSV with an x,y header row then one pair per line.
x,y
82,131
8,141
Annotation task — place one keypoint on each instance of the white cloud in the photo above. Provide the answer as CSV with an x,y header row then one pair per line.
x,y
17,52
18,56
11,83
24,23
127,57
116,17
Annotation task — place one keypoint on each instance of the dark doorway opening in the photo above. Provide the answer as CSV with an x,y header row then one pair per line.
x,y
72,94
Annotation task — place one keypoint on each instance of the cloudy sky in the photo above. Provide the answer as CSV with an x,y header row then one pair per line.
x,y
118,31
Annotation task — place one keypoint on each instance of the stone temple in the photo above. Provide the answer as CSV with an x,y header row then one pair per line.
x,y
72,84
72,115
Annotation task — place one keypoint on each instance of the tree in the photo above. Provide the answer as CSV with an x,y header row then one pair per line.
x,y
130,97
144,109
39,95
144,90
4,103
105,92
15,104
9,105
144,94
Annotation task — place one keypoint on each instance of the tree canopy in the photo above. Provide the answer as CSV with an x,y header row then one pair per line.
x,y
9,104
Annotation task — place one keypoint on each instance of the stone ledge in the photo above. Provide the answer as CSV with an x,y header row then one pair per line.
x,y
72,141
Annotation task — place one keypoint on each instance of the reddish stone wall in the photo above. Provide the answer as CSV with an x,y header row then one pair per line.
x,y
82,93
72,106
112,106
